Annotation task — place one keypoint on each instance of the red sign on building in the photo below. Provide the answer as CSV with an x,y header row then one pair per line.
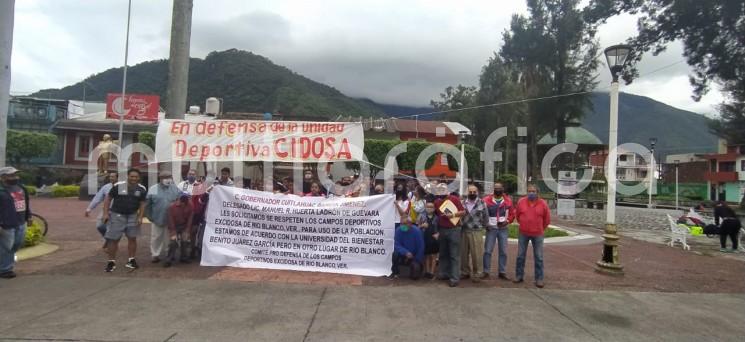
x,y
135,107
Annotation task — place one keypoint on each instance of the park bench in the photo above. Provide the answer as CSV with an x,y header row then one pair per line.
x,y
678,232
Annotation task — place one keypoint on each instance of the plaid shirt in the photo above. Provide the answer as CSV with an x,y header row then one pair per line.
x,y
476,218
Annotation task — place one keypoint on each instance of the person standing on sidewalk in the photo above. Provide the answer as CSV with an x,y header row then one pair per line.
x,y
730,226
501,214
159,198
180,218
15,213
472,237
98,199
533,215
428,224
124,217
449,235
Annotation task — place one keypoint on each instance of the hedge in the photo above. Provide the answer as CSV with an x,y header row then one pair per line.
x,y
65,191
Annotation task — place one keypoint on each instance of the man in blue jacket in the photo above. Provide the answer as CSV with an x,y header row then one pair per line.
x,y
14,214
408,249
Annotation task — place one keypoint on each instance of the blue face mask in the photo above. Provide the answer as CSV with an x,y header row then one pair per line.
x,y
532,196
191,179
404,228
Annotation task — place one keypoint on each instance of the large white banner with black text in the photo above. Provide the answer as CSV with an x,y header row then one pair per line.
x,y
254,229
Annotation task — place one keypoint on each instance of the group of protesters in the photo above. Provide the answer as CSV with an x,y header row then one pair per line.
x,y
454,241
175,211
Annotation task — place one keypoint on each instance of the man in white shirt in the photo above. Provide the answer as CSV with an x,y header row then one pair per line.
x,y
98,199
190,183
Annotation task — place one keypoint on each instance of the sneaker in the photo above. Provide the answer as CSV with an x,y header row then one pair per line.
x,y
393,276
539,284
484,275
110,266
503,276
155,260
518,281
429,275
476,279
8,275
453,283
723,250
132,263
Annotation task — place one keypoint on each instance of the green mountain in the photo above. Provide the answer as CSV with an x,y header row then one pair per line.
x,y
246,82
641,118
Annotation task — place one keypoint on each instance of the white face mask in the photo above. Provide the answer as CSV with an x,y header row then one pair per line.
x,y
167,181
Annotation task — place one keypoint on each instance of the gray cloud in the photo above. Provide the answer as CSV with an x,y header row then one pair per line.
x,y
401,53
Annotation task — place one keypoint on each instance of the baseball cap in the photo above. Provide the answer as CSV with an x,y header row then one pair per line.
x,y
8,170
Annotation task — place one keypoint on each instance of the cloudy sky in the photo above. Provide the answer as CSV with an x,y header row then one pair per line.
x,y
399,52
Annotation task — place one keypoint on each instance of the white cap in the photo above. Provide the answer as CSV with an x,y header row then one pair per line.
x,y
8,170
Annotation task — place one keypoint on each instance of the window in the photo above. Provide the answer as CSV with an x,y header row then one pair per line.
x,y
83,146
622,157
742,165
443,159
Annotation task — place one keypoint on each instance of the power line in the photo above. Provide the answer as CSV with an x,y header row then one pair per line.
x,y
535,98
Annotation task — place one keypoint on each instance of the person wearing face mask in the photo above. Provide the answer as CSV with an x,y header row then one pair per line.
x,y
501,214
188,185
472,244
450,234
427,222
408,249
15,213
180,219
403,205
379,189
533,215
159,197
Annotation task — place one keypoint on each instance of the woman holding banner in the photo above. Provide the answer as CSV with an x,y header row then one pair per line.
x,y
403,205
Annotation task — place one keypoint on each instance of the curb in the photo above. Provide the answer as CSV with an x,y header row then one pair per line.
x,y
36,251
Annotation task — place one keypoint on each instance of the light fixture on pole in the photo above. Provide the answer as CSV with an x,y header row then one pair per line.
x,y
677,163
123,112
650,188
616,56
462,164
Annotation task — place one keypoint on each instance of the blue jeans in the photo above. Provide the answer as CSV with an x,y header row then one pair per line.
x,y
498,236
522,249
11,241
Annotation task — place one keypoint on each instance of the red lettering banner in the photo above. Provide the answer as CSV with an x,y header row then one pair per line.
x,y
281,141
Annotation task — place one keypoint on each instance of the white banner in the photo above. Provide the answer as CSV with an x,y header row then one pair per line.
x,y
280,141
247,228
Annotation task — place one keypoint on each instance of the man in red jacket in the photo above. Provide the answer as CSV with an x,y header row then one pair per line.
x,y
534,217
449,235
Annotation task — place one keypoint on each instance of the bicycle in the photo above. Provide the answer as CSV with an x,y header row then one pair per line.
x,y
41,222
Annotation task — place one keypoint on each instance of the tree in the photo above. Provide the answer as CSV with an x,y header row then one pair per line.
x,y
554,52
147,138
713,37
24,146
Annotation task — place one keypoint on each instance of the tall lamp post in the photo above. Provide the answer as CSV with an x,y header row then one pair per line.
x,y
616,56
652,142
462,165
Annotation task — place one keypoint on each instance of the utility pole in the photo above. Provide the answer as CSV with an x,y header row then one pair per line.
x,y
178,61
7,12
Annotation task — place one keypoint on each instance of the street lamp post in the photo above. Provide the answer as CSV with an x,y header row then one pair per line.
x,y
652,142
123,113
677,163
616,56
462,164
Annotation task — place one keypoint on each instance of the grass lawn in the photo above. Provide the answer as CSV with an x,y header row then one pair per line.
x,y
550,232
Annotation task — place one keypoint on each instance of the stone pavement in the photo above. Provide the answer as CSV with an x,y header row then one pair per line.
x,y
649,266
82,308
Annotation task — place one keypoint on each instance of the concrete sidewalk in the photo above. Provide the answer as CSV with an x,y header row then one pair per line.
x,y
103,308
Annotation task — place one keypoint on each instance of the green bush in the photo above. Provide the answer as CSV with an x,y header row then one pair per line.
x,y
31,190
33,235
65,191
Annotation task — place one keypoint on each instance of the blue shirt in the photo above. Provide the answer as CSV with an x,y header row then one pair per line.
x,y
410,241
159,197
100,196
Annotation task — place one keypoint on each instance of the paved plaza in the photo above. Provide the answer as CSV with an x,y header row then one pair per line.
x,y
667,294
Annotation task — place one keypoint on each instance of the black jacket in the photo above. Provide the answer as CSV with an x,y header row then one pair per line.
x,y
9,217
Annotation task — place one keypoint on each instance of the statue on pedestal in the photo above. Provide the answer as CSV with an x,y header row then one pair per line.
x,y
106,145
